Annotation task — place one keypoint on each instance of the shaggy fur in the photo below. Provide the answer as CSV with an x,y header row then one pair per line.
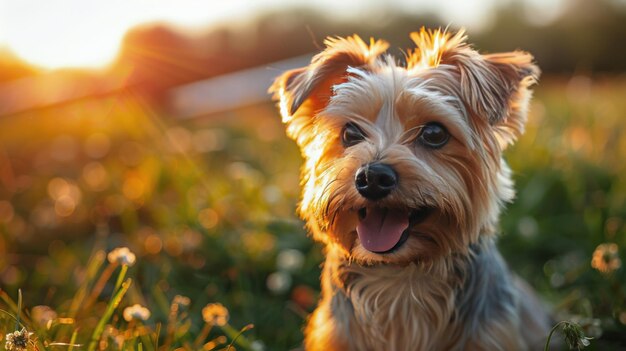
x,y
446,287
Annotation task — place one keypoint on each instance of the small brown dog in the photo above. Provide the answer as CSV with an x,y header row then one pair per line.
x,y
403,182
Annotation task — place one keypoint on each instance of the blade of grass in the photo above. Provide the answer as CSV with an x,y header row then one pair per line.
x,y
13,308
73,340
7,299
120,277
115,301
156,337
556,326
19,309
237,336
146,340
204,333
8,313
93,267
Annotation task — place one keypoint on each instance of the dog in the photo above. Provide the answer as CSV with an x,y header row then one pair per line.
x,y
403,182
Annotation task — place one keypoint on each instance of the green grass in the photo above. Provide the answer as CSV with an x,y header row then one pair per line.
x,y
207,206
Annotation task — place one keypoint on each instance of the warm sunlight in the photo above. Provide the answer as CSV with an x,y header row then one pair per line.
x,y
74,33
68,47
63,33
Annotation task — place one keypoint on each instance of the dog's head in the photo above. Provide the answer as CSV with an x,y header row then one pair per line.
x,y
403,163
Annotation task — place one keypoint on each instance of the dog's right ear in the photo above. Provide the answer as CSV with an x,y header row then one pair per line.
x,y
304,91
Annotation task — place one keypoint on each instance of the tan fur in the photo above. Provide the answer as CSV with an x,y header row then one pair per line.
x,y
446,287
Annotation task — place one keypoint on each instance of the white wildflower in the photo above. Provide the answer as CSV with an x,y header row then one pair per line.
x,y
18,340
136,312
122,256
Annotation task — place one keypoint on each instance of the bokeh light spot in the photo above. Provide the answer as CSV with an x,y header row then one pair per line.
x,y
278,282
191,239
59,187
95,176
133,187
153,244
289,260
64,206
527,226
173,246
208,218
11,275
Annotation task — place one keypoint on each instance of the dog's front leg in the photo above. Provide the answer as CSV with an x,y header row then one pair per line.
x,y
328,327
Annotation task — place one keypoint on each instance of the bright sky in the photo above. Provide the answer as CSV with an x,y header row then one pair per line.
x,y
87,33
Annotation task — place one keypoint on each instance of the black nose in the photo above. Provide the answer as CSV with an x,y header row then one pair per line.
x,y
375,180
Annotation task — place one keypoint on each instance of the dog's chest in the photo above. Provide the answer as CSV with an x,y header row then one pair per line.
x,y
395,308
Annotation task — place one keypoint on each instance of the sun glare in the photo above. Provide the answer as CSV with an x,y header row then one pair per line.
x,y
55,34
76,33
68,49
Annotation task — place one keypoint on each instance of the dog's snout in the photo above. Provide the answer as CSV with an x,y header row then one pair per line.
x,y
375,180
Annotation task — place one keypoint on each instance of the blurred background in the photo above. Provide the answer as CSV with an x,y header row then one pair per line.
x,y
147,125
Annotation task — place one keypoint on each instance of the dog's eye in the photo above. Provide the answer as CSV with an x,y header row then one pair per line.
x,y
351,135
434,135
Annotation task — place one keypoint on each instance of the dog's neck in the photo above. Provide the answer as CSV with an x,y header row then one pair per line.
x,y
402,307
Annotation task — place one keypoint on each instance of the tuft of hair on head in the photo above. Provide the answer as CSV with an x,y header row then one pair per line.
x,y
431,44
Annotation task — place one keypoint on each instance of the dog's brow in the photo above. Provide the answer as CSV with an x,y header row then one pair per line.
x,y
423,105
420,102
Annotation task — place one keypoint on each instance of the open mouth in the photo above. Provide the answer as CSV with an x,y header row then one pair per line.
x,y
383,230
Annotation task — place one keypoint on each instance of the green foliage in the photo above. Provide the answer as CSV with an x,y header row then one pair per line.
x,y
208,208
571,204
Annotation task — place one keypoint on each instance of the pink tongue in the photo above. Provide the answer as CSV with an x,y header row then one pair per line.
x,y
382,229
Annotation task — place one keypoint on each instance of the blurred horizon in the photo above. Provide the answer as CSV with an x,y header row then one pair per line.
x,y
103,26
34,43
578,37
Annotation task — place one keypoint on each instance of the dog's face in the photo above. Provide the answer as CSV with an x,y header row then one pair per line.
x,y
404,163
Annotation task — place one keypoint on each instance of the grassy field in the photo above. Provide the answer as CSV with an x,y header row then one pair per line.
x,y
217,256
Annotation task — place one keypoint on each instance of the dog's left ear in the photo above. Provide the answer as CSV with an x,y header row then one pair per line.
x,y
305,91
503,86
497,87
